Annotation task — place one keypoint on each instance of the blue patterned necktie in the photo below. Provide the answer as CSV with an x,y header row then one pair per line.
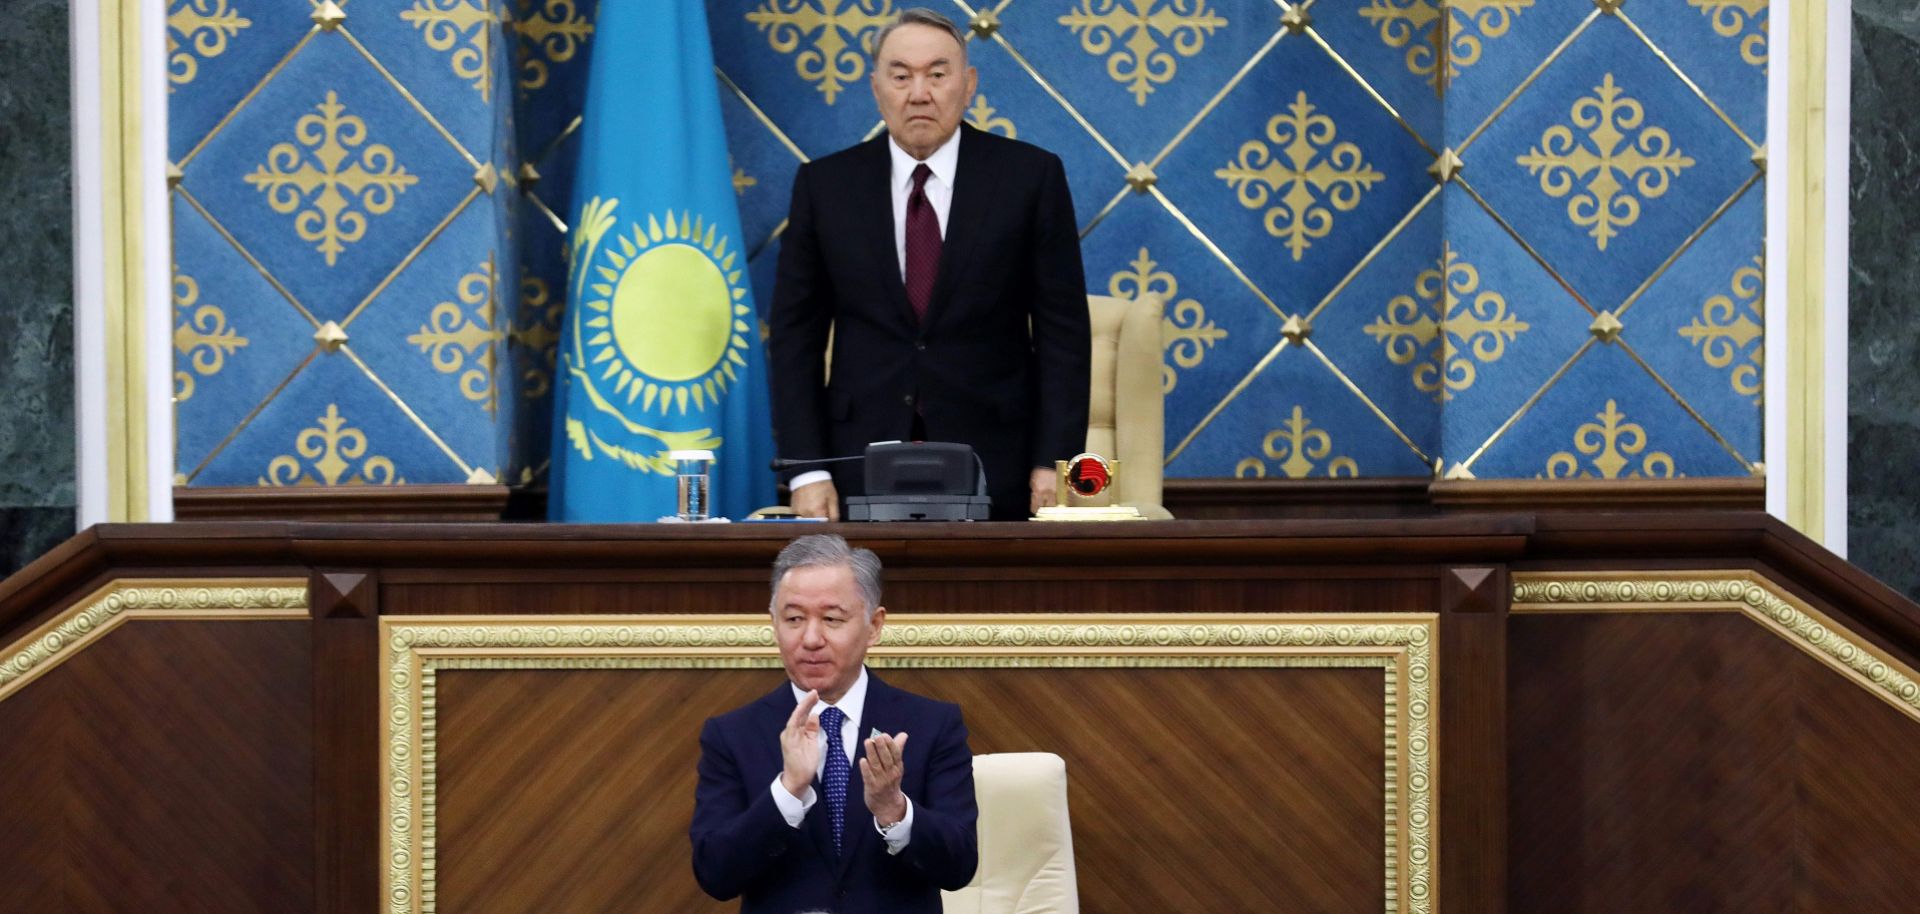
x,y
837,774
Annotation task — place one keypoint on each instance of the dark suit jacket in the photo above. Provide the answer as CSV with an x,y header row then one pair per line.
x,y
1010,260
743,847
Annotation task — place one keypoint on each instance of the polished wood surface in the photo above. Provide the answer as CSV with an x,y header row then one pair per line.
x,y
1690,761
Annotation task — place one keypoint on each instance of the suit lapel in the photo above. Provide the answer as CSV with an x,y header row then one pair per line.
x,y
973,185
876,214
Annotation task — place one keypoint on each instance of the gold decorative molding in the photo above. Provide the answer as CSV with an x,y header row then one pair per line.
x,y
1731,326
1611,444
1441,37
326,183
1444,342
451,336
1125,33
1745,592
331,448
202,337
1400,645
1310,173
199,30
91,617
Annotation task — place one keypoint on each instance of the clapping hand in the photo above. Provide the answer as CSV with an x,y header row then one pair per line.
x,y
800,746
881,771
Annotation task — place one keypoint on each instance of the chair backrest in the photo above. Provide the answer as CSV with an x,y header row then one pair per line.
x,y
1026,842
1125,409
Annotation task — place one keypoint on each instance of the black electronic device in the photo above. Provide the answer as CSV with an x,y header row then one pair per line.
x,y
915,481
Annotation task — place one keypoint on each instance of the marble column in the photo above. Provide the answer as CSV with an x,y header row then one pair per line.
x,y
36,267
1883,345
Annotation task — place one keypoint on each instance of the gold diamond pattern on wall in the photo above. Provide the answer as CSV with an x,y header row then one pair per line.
x,y
1317,173
1124,31
845,29
1616,158
1739,19
331,449
457,332
466,23
1441,36
201,335
983,116
539,331
324,185
551,32
1478,332
198,31
1730,327
1611,445
1186,333
1297,447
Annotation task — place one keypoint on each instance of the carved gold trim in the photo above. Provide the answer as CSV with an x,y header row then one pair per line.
x,y
91,617
1746,592
1400,645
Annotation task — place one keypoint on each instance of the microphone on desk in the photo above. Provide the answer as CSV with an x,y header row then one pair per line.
x,y
793,463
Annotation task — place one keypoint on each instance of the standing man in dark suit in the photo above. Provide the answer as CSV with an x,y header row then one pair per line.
x,y
946,263
794,812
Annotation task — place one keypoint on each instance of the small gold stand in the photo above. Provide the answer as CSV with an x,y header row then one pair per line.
x,y
1070,505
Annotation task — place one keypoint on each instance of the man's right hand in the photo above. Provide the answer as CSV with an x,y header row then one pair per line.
x,y
817,499
800,742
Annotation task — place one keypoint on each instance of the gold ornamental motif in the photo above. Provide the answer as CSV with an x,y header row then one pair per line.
x,y
1743,19
1477,333
1316,173
451,336
1124,31
539,331
1399,645
981,115
198,30
741,180
466,23
325,183
331,447
201,336
1611,443
1617,158
1187,333
842,33
1442,37
1297,447
1731,327
551,32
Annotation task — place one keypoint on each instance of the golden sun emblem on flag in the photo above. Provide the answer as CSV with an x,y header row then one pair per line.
x,y
666,320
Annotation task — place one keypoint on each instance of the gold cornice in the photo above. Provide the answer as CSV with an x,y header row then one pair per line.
x,y
1400,645
1746,592
90,618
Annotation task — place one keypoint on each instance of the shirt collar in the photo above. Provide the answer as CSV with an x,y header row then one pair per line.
x,y
850,704
944,161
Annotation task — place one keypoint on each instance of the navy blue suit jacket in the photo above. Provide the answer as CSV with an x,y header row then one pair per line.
x,y
743,848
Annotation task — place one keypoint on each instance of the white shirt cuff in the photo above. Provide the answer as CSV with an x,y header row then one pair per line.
x,y
896,837
794,809
808,478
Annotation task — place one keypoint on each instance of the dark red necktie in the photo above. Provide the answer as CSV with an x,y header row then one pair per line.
x,y
923,244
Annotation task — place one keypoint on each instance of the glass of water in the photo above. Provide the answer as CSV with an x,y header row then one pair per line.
x,y
694,472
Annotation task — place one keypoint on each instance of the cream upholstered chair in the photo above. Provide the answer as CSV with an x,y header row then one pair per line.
x,y
1026,844
1124,412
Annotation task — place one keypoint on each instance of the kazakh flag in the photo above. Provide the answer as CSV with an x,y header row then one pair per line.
x,y
661,350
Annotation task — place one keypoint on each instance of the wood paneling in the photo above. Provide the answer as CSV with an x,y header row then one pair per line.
x,y
572,790
163,769
1700,763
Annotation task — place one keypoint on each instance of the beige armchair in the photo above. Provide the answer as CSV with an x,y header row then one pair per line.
x,y
1124,411
1026,844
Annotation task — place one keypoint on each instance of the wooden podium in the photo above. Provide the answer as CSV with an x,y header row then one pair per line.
x,y
1475,714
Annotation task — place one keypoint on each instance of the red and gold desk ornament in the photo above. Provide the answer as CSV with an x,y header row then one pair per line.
x,y
1086,491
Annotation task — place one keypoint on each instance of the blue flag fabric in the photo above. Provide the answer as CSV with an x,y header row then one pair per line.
x,y
661,349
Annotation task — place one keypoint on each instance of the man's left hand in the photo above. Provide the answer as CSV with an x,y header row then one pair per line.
x,y
1043,484
881,771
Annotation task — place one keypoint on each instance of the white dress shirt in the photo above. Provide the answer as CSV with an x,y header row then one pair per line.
x,y
944,162
794,809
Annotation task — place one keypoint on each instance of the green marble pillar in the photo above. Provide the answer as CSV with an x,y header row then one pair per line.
x,y
36,268
1883,339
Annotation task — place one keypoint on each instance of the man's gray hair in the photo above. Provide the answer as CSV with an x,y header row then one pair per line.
x,y
829,550
918,15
